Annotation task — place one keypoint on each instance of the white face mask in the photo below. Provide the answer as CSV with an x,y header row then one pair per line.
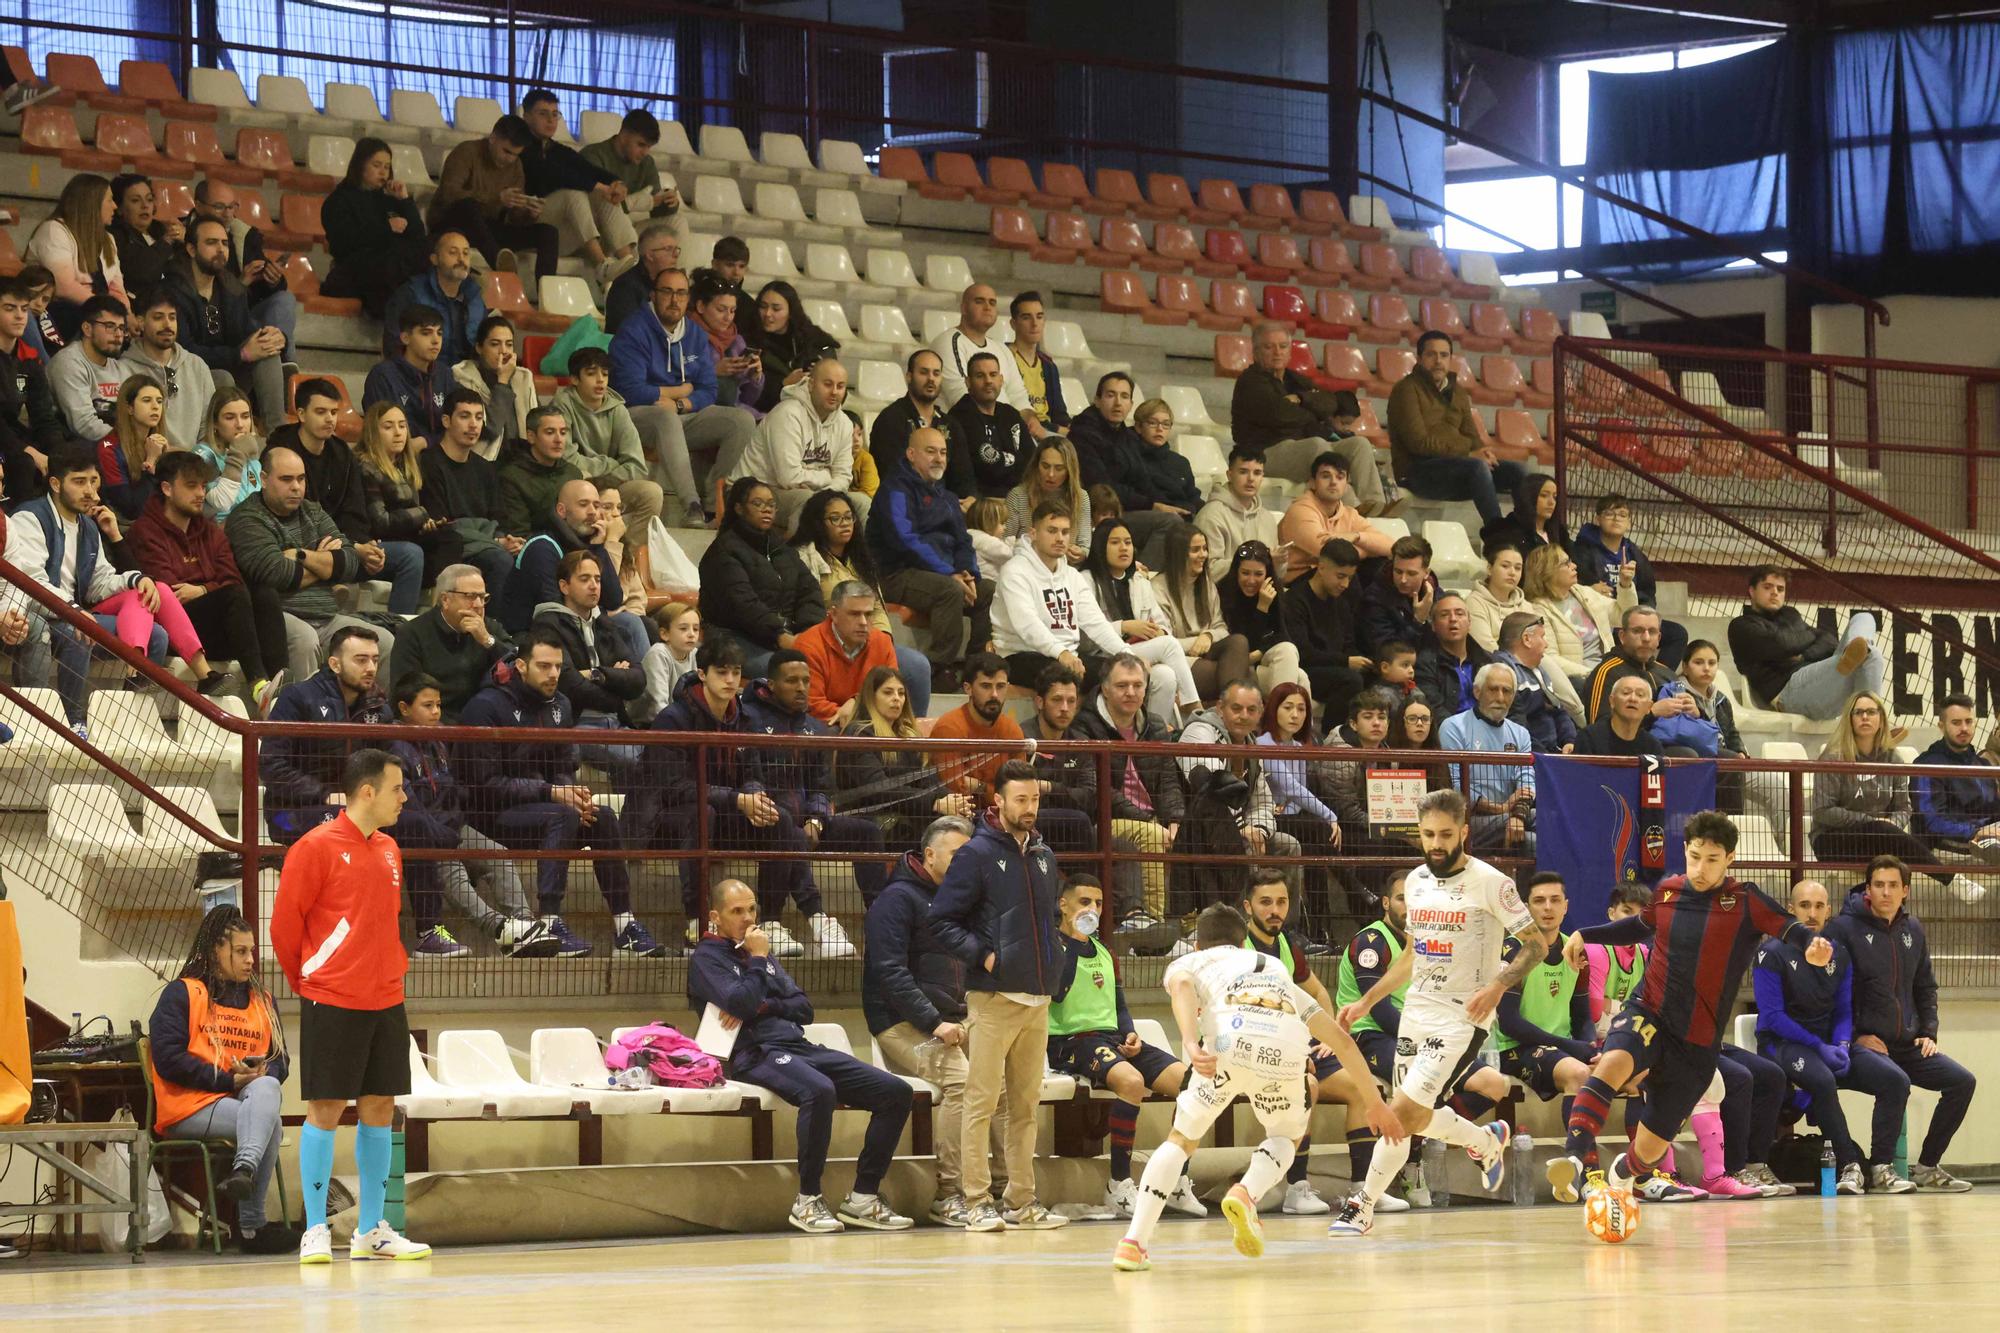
x,y
1085,922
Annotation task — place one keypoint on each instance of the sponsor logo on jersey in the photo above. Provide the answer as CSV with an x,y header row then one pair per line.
x,y
1432,916
1406,1046
1434,1045
1437,949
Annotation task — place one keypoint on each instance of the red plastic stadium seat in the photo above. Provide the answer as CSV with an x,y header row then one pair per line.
x,y
1289,305
1519,439
1012,176
1064,181
1388,320
1429,264
1322,207
21,69
1336,306
1013,229
1371,426
1122,236
1279,252
1330,263
303,283
960,170
1173,240
1070,233
151,82
1539,330
80,75
10,258
1227,247
1272,205
1305,363
300,213
1499,381
269,152
1167,190
1120,188
128,138
46,128
193,143
1542,381
1345,363
1392,366
172,199
1228,297
1490,325
906,164
1232,354
505,296
1379,261
1183,295
1442,315
1123,293
1222,197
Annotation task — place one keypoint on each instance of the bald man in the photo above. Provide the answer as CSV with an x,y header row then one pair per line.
x,y
577,524
755,999
978,312
806,445
923,553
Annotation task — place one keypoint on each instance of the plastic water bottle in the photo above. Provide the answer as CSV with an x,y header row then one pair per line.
x,y
1826,1169
1522,1169
1415,1190
1434,1173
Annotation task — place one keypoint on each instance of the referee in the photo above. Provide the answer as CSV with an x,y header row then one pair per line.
x,y
334,931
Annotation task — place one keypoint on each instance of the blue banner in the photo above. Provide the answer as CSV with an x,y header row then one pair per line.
x,y
1590,826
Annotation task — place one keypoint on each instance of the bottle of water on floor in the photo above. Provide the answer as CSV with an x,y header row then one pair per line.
x,y
1827,1168
1434,1173
1521,1170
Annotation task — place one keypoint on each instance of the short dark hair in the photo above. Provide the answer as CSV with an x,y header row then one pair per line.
x,y
537,637
1014,770
641,122
1629,893
1888,862
1494,546
416,317
1260,876
1080,880
1375,699
566,567
1049,509
1411,547
977,357
729,250
1611,500
1443,801
719,650
1541,877
1394,649
97,307
462,397
194,227
589,358
1432,335
514,130
176,462
784,657
159,295
1014,306
1959,700
1245,453
910,366
1054,674
1219,923
984,664
1340,553
535,97
412,685
17,287
66,459
315,387
1109,376
489,324
346,634
1758,573
365,768
1329,459
1710,826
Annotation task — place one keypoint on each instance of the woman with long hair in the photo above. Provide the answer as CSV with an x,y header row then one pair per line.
x,y
231,445
374,231
1130,604
1533,522
1288,725
494,372
1496,594
714,302
1415,727
1580,619
1051,472
893,784
828,540
75,245
785,340
393,480
146,242
1194,612
1857,816
135,442
218,1057
1248,594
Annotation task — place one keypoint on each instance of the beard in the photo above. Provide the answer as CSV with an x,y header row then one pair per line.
x,y
1440,863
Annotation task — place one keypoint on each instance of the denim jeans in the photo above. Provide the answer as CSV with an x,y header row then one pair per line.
x,y
1818,690
403,566
53,653
249,1118
1466,478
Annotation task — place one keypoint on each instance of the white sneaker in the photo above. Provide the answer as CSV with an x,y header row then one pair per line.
x,y
829,939
383,1243
1121,1196
1357,1217
783,943
1389,1203
1302,1200
811,1215
1185,1200
872,1214
316,1246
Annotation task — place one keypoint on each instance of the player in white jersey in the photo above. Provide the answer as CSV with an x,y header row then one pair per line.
x,y
1247,1030
1461,911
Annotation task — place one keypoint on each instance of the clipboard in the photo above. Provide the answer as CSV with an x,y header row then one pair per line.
x,y
712,1037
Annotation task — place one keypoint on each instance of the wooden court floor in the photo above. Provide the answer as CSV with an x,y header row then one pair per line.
x,y
1806,1264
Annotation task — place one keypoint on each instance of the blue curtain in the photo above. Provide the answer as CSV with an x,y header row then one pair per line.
x,y
1706,145
132,16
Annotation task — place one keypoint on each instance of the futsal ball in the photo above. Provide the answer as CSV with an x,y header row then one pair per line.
x,y
1611,1215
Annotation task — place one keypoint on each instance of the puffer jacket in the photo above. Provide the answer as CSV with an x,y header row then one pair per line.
x,y
799,780
756,587
906,975
1895,992
1000,898
505,773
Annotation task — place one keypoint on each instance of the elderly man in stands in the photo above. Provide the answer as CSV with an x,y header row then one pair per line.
x,y
1963,813
978,312
1449,657
1794,667
913,998
1322,512
1537,705
1435,441
663,366
455,643
1503,795
1237,514
732,971
1622,729
284,541
841,650
447,287
632,291
916,530
1277,410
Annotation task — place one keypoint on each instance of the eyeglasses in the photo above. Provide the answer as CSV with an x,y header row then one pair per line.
x,y
1165,423
211,320
469,596
761,502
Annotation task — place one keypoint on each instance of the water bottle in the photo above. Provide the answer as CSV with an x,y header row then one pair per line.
x,y
1827,1169
1434,1173
1415,1191
1522,1169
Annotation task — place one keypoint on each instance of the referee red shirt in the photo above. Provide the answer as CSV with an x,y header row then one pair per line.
x,y
333,927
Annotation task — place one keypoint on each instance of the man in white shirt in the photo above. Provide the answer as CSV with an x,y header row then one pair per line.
x,y
978,312
1238,515
806,445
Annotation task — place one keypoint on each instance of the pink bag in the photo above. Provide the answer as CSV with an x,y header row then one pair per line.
x,y
672,1056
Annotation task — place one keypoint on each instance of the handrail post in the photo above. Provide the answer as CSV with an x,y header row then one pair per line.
x,y
249,827
1557,420
1106,862
1972,455
1868,388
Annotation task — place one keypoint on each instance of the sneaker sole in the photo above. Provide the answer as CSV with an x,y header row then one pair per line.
x,y
1248,1232
812,1230
1495,1175
1852,656
983,1227
1125,1265
307,1259
850,1220
1563,1174
369,1256
1349,1228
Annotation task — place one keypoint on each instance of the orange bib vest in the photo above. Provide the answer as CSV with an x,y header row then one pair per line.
x,y
219,1035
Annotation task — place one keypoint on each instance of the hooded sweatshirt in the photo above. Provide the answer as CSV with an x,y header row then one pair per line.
x,y
529,487
1048,611
517,393
794,449
168,555
588,678
646,355
603,442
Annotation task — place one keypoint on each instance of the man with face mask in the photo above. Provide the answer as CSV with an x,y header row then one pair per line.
x,y
215,323
732,970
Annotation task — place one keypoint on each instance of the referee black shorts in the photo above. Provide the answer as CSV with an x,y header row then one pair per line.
x,y
349,1053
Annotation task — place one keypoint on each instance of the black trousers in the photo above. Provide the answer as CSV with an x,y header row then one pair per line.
x,y
241,623
375,274
468,218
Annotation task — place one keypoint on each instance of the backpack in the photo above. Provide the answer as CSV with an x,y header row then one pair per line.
x,y
672,1056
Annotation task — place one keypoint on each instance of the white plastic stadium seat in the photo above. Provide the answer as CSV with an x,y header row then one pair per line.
x,y
1790,752
1744,1032
775,200
567,296
35,747
1588,324
164,831
217,87
1076,397
1476,266
411,169
568,1059
838,208
1066,342
916,1084
725,143
1057,1087
673,140
351,101
784,150
947,273
937,321
1395,529
429,1099
886,324
772,258
1204,456
416,108
476,1059
718,194
842,155
748,1092
879,381
88,820
1369,210
1186,403
284,94
600,125
328,154
830,263
829,316
475,115
1452,556
126,725
891,268
1154,1033
830,1035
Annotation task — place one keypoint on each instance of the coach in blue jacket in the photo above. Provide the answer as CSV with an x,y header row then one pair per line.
x,y
995,912
1963,809
1896,1020
916,529
732,969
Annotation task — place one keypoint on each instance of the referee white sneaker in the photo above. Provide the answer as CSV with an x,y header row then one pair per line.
x,y
316,1245
382,1242
1302,1200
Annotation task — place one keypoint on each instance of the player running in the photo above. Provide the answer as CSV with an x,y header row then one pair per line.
x,y
1704,927
1462,912
1246,1028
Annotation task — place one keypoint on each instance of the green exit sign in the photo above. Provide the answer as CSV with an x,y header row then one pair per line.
x,y
1601,303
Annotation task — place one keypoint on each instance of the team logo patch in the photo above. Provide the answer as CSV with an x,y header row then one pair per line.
x,y
784,1059
1406,1046
1369,958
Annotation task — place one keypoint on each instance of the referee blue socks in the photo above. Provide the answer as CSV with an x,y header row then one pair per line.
x,y
371,1162
315,1169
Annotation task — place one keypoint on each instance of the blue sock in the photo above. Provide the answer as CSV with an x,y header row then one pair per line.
x,y
315,1169
371,1162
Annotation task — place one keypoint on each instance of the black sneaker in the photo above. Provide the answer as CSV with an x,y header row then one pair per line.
x,y
237,1184
271,1238
526,937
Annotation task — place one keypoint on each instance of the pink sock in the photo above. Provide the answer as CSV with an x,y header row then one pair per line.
x,y
1708,1133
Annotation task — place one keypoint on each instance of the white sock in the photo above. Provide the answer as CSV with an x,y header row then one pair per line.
x,y
550,920
857,1197
802,1201
1455,1129
1156,1183
620,920
1268,1164
1382,1168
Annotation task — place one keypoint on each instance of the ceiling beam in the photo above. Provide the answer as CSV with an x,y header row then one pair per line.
x,y
1764,14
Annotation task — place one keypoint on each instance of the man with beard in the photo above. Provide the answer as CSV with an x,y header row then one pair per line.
x,y
215,323
889,437
991,440
980,719
1503,796
447,287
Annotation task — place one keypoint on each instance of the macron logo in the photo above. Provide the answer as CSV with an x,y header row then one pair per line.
x,y
324,710
346,860
1002,863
